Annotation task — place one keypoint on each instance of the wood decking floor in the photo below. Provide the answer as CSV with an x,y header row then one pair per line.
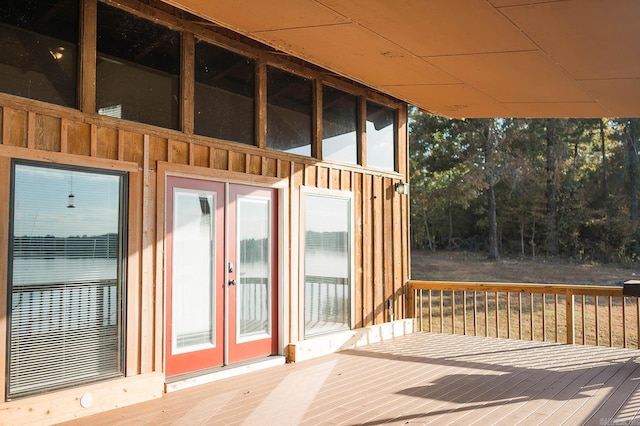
x,y
414,380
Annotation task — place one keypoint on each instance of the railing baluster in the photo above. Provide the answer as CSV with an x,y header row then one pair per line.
x,y
531,322
497,314
597,324
583,321
508,315
555,315
610,323
544,315
475,315
624,322
464,312
420,310
453,312
430,312
520,316
441,311
486,314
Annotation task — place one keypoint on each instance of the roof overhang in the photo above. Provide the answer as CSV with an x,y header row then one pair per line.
x,y
460,58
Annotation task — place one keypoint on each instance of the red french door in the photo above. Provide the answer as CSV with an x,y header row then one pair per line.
x,y
252,257
221,274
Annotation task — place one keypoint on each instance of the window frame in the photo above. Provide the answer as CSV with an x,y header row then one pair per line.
x,y
121,274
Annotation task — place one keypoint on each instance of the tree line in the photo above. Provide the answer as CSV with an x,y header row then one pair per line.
x,y
526,187
49,247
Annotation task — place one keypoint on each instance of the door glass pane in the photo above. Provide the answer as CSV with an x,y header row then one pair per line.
x,y
327,265
65,278
193,257
254,268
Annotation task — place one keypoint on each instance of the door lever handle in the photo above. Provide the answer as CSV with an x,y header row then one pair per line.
x,y
232,282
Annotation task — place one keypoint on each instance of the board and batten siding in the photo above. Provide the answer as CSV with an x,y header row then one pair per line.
x,y
41,132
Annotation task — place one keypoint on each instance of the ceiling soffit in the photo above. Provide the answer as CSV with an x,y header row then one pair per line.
x,y
472,58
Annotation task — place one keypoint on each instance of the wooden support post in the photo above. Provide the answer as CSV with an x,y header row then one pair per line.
x,y
412,303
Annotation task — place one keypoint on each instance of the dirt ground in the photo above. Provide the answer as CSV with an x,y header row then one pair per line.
x,y
465,266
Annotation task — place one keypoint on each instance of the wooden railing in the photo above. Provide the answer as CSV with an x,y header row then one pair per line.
x,y
589,315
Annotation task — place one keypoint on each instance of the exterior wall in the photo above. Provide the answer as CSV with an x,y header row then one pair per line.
x,y
38,131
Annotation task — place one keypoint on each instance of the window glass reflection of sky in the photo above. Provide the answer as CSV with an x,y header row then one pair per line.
x,y
380,149
42,199
326,214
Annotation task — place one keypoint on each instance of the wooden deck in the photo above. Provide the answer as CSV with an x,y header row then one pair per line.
x,y
416,379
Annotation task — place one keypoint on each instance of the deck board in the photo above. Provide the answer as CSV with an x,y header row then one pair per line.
x,y
414,380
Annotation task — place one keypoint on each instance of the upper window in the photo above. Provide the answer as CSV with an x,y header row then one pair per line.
x,y
339,125
137,69
65,277
224,94
381,131
289,100
39,45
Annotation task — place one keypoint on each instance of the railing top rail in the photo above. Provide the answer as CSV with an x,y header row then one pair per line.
x,y
587,290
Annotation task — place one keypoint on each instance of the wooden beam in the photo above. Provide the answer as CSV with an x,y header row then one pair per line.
x,y
261,105
187,83
316,120
88,31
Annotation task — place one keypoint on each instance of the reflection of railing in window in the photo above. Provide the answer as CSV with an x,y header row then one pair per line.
x,y
253,302
326,304
63,333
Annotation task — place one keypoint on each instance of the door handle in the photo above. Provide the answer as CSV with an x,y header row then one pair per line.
x,y
232,282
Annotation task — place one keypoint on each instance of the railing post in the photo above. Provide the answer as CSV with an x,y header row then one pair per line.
x,y
570,317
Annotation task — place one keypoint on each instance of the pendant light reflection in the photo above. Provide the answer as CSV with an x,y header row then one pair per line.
x,y
71,202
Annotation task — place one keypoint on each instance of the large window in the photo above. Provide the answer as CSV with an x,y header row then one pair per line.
x,y
39,44
381,136
65,277
289,100
224,94
138,69
339,125
327,263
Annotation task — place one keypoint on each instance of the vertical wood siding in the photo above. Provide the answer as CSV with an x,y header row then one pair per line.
x,y
47,133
